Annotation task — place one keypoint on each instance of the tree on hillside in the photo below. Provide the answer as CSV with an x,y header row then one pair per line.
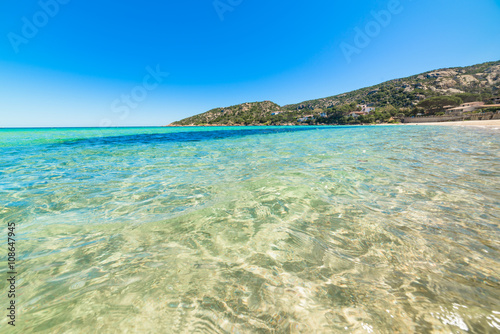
x,y
436,104
388,109
469,97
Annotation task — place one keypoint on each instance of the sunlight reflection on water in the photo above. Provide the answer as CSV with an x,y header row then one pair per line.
x,y
268,230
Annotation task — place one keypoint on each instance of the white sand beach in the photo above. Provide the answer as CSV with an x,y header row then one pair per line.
x,y
494,123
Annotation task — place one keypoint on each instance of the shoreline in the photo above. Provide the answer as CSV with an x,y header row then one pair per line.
x,y
491,124
494,124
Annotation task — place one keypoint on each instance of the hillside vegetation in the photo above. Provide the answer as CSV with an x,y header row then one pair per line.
x,y
392,99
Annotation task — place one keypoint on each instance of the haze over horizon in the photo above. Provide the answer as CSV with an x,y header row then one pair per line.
x,y
68,63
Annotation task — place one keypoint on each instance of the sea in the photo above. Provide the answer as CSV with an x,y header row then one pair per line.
x,y
328,229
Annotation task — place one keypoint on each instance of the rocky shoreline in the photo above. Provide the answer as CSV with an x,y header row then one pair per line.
x,y
486,123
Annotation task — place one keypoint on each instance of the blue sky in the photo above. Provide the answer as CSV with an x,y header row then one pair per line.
x,y
89,63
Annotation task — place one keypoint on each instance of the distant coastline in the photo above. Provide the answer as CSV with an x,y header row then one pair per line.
x,y
450,94
495,123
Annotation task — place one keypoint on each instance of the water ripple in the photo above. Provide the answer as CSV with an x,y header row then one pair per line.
x,y
254,230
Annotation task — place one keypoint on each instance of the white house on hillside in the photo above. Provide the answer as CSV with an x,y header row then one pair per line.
x,y
365,108
357,113
465,107
305,118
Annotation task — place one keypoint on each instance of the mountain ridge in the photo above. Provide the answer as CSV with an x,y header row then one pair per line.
x,y
403,94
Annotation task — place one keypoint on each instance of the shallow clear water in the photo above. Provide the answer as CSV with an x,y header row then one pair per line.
x,y
387,229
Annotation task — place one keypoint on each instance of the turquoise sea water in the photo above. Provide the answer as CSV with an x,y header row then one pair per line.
x,y
382,229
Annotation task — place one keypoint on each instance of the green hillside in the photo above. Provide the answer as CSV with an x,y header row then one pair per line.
x,y
392,98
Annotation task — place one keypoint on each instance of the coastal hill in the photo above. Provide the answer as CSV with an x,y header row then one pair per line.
x,y
238,114
395,97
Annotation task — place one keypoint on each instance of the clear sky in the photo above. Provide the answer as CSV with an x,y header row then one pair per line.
x,y
92,63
